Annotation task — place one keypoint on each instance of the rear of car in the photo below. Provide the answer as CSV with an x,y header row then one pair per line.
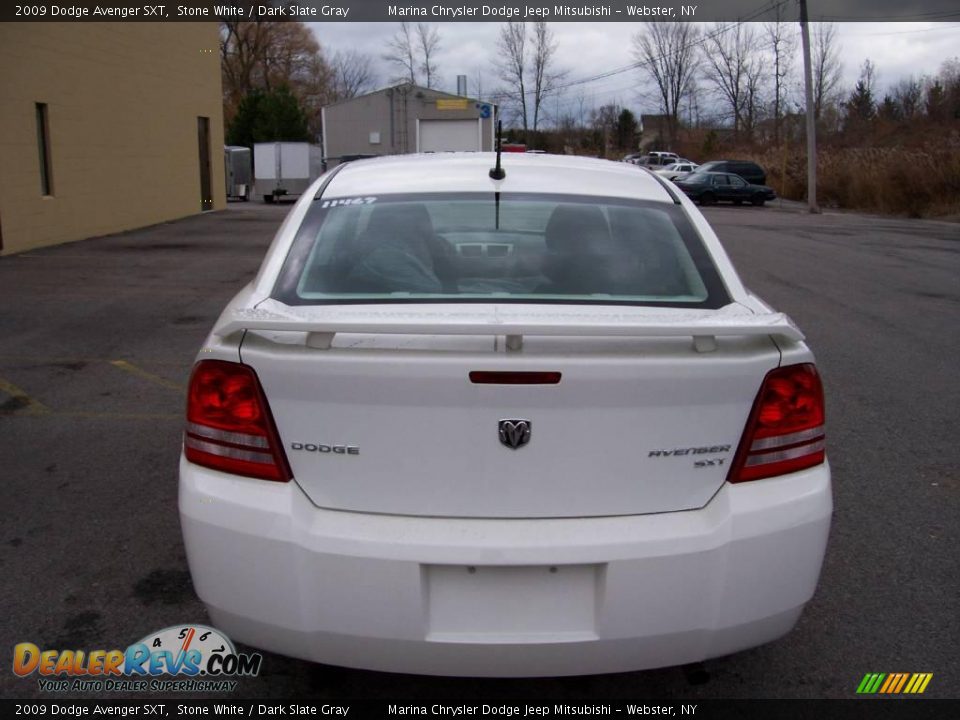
x,y
530,426
677,170
708,188
749,171
658,159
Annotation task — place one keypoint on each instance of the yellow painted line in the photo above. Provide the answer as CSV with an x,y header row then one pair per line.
x,y
926,681
140,373
31,407
913,682
187,362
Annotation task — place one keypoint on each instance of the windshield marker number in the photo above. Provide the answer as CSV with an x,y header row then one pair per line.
x,y
348,201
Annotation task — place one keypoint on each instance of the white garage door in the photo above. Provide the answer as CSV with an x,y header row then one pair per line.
x,y
445,135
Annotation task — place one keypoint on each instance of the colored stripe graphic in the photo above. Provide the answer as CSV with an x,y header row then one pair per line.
x,y
923,679
892,679
894,683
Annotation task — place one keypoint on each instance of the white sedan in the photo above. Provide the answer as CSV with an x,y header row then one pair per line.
x,y
677,170
463,424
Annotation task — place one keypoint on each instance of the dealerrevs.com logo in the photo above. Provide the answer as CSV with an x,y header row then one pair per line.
x,y
199,659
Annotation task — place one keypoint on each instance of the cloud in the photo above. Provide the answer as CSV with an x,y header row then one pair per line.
x,y
589,49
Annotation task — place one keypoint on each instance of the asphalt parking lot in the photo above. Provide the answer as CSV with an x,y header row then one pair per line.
x,y
96,343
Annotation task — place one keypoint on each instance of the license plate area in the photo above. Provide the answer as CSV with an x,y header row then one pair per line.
x,y
511,604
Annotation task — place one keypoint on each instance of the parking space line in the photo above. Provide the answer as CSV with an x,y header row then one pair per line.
x,y
134,370
25,401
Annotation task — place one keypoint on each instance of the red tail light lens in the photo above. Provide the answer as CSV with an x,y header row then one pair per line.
x,y
229,426
785,431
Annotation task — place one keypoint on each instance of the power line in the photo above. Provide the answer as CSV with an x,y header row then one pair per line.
x,y
904,32
940,14
699,41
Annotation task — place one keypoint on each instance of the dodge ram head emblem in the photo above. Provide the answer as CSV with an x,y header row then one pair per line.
x,y
514,433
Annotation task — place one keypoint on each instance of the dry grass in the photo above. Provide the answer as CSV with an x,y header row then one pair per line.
x,y
896,181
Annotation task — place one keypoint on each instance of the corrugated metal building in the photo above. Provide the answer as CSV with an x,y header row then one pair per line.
x,y
406,119
106,127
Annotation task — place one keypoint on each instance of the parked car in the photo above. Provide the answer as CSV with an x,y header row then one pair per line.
x,y
632,158
460,425
708,188
677,170
749,171
658,159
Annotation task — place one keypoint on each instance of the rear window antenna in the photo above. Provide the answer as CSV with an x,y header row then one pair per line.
x,y
497,172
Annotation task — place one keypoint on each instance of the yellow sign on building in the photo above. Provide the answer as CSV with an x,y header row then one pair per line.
x,y
452,104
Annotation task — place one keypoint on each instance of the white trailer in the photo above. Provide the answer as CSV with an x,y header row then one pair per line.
x,y
238,171
285,168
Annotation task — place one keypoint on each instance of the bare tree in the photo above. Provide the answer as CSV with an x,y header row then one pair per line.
x,y
827,68
604,122
352,74
732,67
666,52
267,55
581,99
782,40
401,53
546,77
754,89
511,66
724,73
868,75
428,43
908,94
691,103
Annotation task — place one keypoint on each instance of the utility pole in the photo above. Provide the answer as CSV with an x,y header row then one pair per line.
x,y
811,121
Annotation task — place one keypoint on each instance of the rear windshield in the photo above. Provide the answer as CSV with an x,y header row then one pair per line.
x,y
518,248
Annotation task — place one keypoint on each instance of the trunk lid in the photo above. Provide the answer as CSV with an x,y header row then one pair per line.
x,y
387,421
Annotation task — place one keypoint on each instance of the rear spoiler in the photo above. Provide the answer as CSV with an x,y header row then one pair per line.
x,y
322,324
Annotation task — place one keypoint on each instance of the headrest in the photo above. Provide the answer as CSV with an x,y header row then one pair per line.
x,y
580,229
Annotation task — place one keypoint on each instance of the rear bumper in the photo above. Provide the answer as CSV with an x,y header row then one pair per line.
x,y
503,597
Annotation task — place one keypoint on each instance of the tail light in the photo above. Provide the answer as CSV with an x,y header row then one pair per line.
x,y
229,426
785,430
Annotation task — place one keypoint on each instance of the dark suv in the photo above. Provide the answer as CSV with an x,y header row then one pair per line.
x,y
749,171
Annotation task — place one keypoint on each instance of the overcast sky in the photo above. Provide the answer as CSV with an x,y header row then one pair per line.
x,y
587,49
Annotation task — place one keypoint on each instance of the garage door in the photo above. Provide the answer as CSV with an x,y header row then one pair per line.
x,y
445,135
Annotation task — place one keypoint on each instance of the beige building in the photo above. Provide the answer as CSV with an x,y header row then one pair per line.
x,y
106,127
406,119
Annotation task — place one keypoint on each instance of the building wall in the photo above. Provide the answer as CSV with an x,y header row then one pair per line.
x,y
393,113
122,101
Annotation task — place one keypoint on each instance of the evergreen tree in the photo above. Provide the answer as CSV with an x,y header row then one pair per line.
x,y
626,130
268,117
861,106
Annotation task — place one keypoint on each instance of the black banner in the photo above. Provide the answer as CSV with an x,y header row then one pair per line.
x,y
474,11
874,709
